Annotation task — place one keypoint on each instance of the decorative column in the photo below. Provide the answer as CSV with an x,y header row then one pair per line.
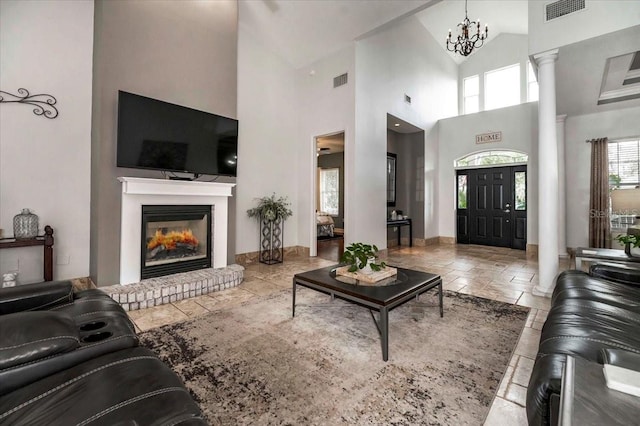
x,y
562,184
547,175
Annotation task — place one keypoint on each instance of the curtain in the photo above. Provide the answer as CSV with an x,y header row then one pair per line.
x,y
599,230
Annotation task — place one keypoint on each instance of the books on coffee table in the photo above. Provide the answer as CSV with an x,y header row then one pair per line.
x,y
622,379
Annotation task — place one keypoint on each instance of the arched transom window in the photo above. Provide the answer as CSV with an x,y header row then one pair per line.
x,y
486,158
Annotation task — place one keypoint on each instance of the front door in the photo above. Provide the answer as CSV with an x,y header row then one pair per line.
x,y
492,206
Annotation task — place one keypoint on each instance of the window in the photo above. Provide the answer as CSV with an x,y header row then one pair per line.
x,y
492,157
624,163
471,94
330,191
521,190
462,192
532,84
502,87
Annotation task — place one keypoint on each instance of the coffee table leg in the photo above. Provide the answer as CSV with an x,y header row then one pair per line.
x,y
293,308
384,333
440,297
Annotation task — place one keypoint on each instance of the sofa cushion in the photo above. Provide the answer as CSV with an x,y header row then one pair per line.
x,y
579,285
31,297
581,327
102,326
130,387
29,336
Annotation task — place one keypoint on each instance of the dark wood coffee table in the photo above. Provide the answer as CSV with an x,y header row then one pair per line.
x,y
382,298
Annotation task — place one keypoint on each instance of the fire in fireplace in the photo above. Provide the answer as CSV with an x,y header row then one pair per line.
x,y
175,239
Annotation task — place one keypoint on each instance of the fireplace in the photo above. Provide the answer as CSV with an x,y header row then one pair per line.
x,y
175,238
138,192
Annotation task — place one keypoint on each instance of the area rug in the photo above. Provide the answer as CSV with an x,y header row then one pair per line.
x,y
254,364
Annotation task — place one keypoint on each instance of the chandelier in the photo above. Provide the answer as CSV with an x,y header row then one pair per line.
x,y
465,44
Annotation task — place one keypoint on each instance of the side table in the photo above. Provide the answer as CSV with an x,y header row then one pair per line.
x,y
45,240
586,400
608,255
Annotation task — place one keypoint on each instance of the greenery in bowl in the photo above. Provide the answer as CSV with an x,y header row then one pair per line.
x,y
358,255
271,208
632,240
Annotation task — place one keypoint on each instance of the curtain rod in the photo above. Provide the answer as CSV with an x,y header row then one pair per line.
x,y
617,138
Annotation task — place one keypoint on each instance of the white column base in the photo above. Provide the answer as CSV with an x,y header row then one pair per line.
x,y
542,292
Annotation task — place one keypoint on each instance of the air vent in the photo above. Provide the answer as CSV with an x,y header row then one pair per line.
x,y
340,80
407,98
562,7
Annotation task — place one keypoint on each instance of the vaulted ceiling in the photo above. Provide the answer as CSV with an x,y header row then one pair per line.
x,y
303,32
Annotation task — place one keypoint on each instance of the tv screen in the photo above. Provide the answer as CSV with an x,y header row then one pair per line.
x,y
157,135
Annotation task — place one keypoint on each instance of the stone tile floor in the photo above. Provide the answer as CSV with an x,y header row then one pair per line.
x,y
495,273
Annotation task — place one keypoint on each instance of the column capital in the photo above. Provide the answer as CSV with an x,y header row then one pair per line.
x,y
561,118
546,57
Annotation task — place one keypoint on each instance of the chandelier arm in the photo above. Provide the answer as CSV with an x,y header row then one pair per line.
x,y
464,43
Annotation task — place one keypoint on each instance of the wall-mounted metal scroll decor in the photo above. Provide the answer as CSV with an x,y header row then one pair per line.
x,y
43,103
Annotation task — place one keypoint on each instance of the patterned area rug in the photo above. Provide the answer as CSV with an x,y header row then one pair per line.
x,y
254,364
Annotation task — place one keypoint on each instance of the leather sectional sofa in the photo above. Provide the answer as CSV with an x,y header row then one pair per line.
x,y
73,359
590,313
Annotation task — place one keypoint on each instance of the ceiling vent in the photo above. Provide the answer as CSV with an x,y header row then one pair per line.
x,y
340,80
562,7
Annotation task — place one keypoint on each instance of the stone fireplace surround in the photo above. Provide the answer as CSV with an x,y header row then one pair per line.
x,y
132,293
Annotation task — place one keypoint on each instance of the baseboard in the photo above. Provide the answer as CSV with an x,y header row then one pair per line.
x,y
446,240
245,259
532,251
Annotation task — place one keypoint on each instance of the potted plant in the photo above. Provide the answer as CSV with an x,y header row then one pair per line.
x,y
631,241
362,256
271,213
271,208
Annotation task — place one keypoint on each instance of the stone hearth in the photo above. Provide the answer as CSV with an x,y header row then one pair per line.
x,y
171,288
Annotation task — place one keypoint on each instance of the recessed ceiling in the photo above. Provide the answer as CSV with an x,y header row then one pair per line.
x,y
621,82
330,144
595,69
400,126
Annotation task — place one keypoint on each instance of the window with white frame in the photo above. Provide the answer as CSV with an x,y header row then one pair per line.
x,y
624,163
330,191
532,84
502,87
471,94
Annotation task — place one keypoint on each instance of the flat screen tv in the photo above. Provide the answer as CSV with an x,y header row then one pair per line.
x,y
158,135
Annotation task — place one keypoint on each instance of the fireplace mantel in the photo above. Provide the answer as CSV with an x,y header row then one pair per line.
x,y
137,192
145,186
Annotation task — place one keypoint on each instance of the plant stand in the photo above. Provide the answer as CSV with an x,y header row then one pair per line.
x,y
271,239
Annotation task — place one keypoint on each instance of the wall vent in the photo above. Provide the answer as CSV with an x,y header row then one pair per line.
x,y
340,80
562,7
407,98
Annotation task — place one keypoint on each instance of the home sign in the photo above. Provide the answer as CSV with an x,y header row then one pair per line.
x,y
489,137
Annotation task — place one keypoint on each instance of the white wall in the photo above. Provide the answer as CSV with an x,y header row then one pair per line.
x,y
267,157
598,18
322,109
611,124
46,47
505,50
403,59
519,127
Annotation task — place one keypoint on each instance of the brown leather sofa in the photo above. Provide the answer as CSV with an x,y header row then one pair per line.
x,y
73,358
590,314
